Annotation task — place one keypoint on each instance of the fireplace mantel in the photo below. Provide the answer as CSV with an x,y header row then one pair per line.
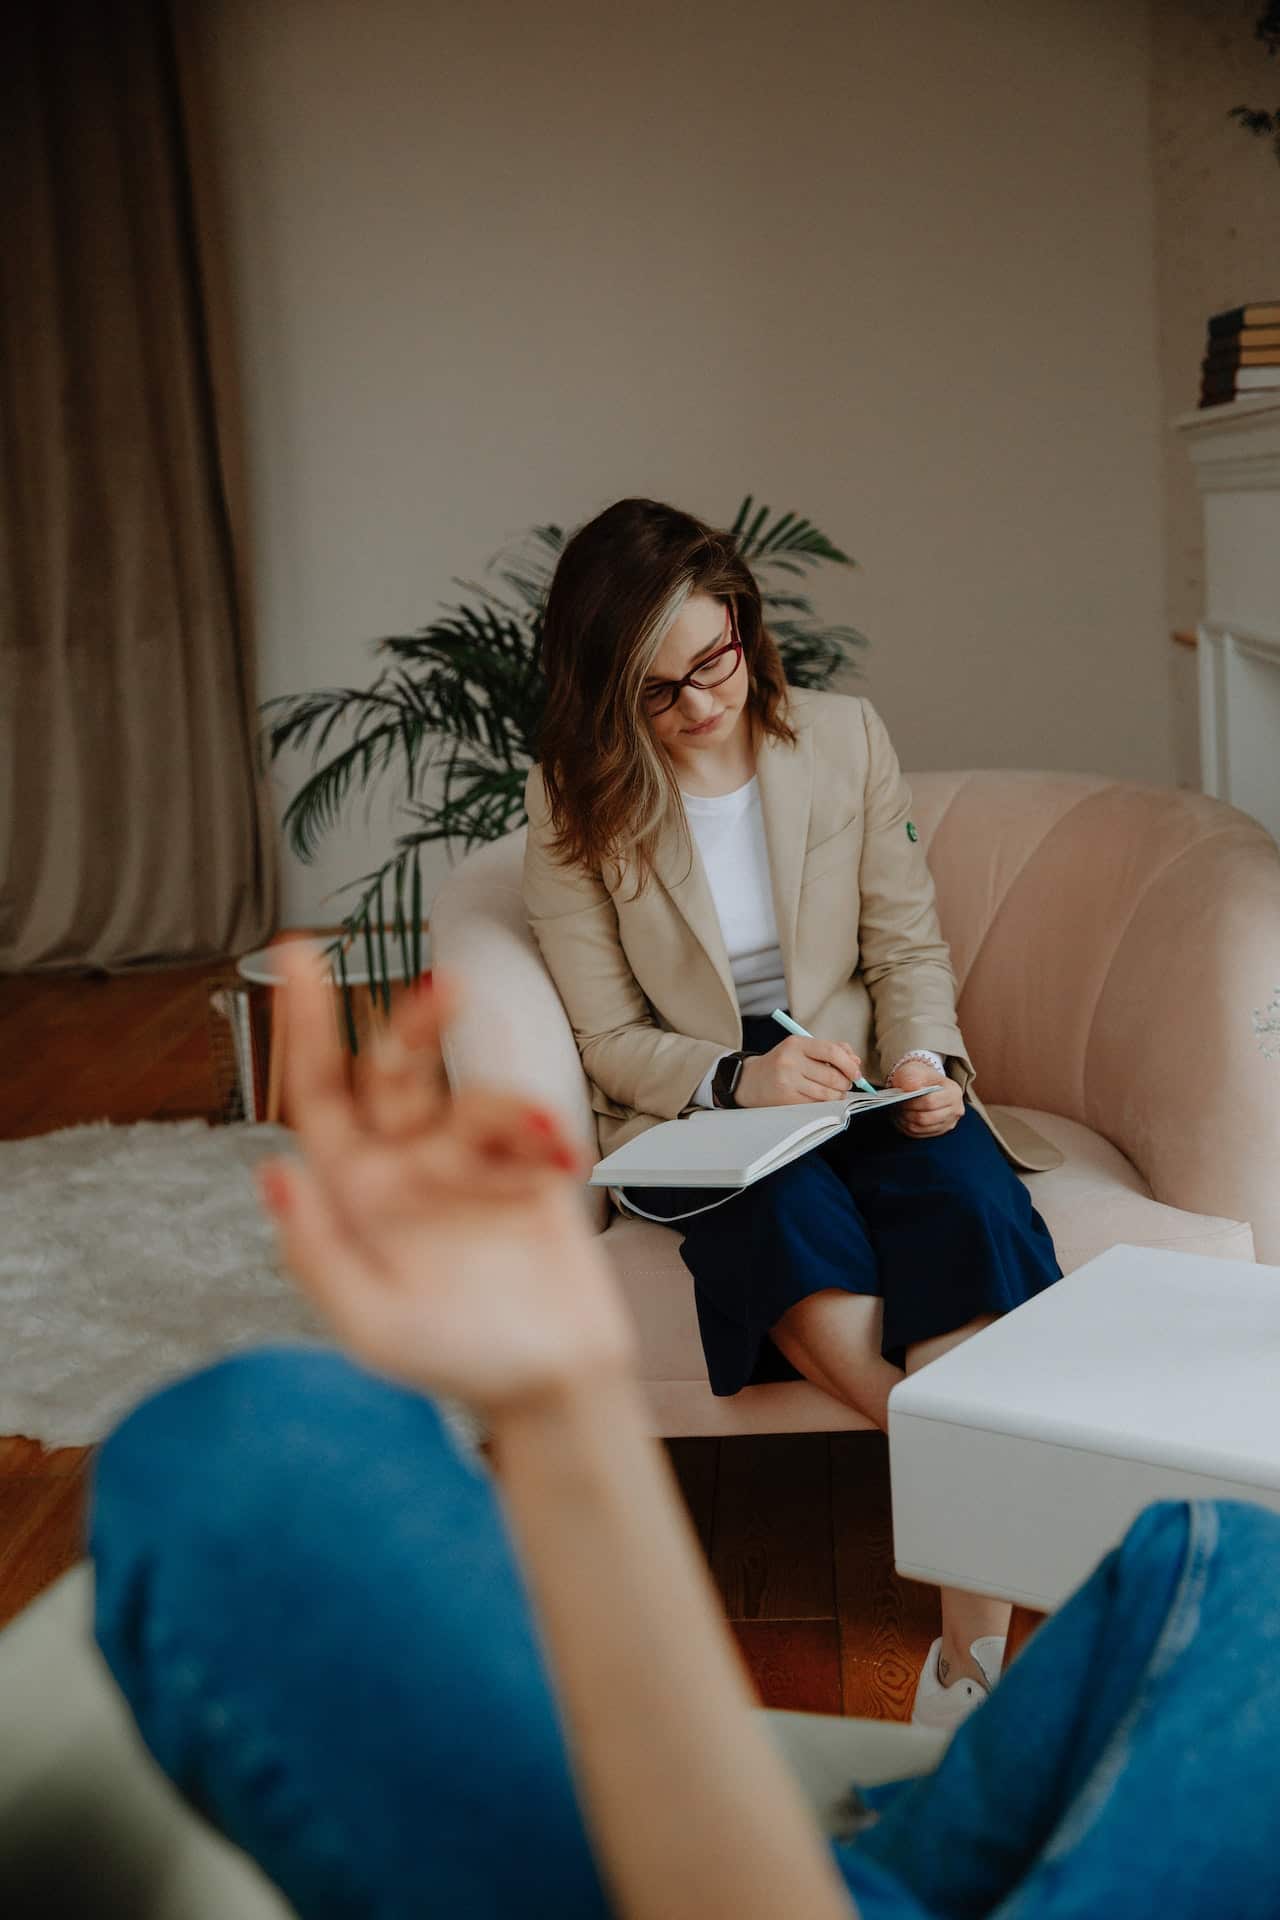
x,y
1236,454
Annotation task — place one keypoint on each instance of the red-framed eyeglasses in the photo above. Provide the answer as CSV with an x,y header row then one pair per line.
x,y
718,667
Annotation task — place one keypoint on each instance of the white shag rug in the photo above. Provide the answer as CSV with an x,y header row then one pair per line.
x,y
130,1256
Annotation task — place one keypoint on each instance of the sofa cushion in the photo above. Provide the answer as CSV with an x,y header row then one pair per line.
x,y
1098,1199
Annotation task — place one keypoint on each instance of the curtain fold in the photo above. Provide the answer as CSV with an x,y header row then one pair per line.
x,y
135,816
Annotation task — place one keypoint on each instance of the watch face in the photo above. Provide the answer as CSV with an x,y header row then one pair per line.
x,y
727,1074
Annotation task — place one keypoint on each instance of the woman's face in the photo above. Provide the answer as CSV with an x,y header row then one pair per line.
x,y
702,717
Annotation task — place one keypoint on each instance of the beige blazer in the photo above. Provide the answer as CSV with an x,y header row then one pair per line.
x,y
645,980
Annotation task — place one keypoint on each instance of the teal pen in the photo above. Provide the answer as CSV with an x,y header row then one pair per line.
x,y
793,1026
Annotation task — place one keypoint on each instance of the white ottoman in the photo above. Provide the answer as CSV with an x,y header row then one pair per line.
x,y
1021,1457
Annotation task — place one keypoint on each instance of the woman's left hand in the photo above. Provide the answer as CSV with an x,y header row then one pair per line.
x,y
933,1113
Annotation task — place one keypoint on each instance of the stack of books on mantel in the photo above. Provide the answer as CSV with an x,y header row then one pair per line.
x,y
1243,357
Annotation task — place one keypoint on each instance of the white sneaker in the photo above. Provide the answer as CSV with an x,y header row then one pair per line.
x,y
945,1707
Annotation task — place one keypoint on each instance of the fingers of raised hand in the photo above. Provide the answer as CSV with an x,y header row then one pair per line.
x,y
316,1096
359,1180
339,1130
341,1229
501,1129
400,1081
335,1269
492,1148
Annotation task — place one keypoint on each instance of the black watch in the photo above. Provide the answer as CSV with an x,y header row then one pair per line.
x,y
724,1082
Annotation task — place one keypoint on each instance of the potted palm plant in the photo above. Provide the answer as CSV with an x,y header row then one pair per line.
x,y
1257,119
453,715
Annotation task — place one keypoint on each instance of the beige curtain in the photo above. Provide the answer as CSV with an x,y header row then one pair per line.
x,y
135,825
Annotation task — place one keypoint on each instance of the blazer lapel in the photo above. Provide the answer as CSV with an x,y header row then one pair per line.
x,y
786,790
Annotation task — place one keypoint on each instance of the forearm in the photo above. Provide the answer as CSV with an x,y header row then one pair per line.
x,y
691,1811
648,1068
914,1005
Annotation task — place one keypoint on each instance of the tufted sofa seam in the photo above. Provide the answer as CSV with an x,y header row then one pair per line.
x,y
1014,878
1153,880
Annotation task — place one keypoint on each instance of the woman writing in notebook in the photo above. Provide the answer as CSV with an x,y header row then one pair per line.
x,y
706,845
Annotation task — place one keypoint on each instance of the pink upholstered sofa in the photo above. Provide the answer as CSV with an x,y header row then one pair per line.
x,y
1111,943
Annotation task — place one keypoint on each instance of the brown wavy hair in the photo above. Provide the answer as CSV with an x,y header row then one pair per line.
x,y
619,586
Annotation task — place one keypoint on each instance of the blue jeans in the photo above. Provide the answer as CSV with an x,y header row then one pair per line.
x,y
308,1597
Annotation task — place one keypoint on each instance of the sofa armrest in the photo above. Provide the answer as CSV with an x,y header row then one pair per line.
x,y
1112,942
827,1754
1176,1076
512,1027
88,1822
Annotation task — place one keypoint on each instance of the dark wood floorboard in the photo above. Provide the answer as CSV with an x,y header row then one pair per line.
x,y
771,1542
697,1469
886,1623
793,1663
795,1526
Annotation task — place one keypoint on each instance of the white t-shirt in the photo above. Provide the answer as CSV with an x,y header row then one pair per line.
x,y
729,831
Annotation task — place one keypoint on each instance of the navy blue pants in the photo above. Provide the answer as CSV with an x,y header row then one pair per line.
x,y
943,1230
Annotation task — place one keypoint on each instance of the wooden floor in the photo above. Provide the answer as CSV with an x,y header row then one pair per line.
x,y
795,1527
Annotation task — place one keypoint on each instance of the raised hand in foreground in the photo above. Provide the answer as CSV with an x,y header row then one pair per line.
x,y
445,1241
442,1237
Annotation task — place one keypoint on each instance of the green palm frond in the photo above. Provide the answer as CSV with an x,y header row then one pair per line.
x,y
1257,120
388,723
526,568
462,698
792,537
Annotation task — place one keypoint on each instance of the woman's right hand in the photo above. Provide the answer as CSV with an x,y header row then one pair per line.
x,y
798,1069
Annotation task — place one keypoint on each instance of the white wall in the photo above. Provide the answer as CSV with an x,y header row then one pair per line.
x,y
889,265
1217,193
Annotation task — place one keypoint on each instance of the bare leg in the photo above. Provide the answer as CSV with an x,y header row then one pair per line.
x,y
1025,1622
966,1617
833,1338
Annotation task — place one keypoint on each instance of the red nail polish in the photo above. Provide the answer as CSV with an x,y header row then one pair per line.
x,y
274,1188
541,1122
566,1158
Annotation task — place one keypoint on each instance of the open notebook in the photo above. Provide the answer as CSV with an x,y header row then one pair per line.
x,y
732,1146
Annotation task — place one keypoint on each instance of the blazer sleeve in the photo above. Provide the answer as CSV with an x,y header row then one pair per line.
x,y
632,1060
904,960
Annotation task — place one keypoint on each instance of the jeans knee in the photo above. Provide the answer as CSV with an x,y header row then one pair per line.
x,y
247,1435
1236,1528
1247,1537
224,1405
254,1481
1158,1537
